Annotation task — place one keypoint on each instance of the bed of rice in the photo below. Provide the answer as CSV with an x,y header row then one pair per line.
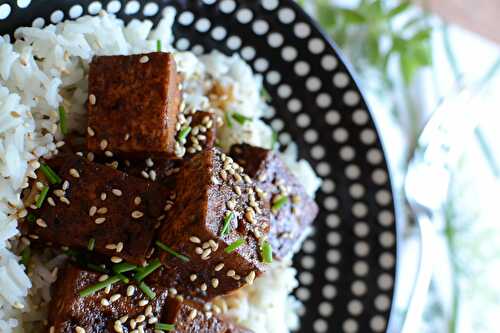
x,y
46,68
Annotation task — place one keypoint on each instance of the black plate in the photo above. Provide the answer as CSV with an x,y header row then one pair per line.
x,y
347,268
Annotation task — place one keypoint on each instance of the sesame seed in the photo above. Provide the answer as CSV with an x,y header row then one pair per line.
x,y
167,207
90,131
231,273
110,247
236,277
223,174
149,162
114,298
65,185
133,324
108,153
193,277
237,189
195,239
116,260
118,326
52,329
137,201
216,309
192,314
172,291
137,214
140,318
219,267
119,247
152,175
59,193
103,196
51,201
203,287
198,250
215,282
145,174
144,59
237,177
100,220
103,277
104,302
79,329
143,302
90,156
102,210
107,290
104,144
117,192
123,319
130,290
92,99
18,305
250,278
152,320
41,223
64,200
32,236
231,204
149,310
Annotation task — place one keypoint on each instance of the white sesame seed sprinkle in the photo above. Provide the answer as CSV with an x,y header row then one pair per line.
x,y
110,246
103,196
103,144
143,302
103,277
198,250
100,220
108,153
231,273
219,267
117,192
41,223
102,210
104,302
119,247
143,59
79,329
149,162
116,260
123,319
206,254
51,201
92,99
90,131
140,318
137,201
215,282
195,240
136,214
65,200
130,291
114,298
193,314
203,287
193,277
250,278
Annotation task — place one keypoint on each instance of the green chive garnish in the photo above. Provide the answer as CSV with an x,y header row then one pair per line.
x,y
234,245
227,119
145,271
62,120
41,197
31,218
98,286
123,267
172,252
184,133
267,253
279,202
97,268
145,289
158,45
265,95
91,244
26,256
241,119
227,223
71,253
274,139
50,174
164,327
123,278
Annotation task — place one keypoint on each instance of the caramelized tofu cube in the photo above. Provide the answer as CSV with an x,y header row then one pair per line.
x,y
216,209
203,132
133,104
100,311
117,211
292,210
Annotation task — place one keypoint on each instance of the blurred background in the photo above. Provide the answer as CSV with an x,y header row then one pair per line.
x,y
411,56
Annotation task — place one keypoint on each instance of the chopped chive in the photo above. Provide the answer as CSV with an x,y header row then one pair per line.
x,y
274,140
91,244
234,245
279,202
146,290
123,267
41,197
227,119
227,223
172,252
50,174
71,253
25,256
123,278
145,271
267,253
241,119
158,45
184,133
265,95
98,286
164,327
31,217
97,268
62,120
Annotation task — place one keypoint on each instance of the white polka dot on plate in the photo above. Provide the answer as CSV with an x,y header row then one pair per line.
x,y
383,197
302,30
340,135
275,39
333,256
248,53
323,169
318,152
57,16
382,303
132,7
352,171
316,45
325,309
332,117
387,260
306,278
386,239
150,9
329,62
313,84
361,248
340,80
303,294
261,65
386,218
385,281
350,326
23,3
331,274
356,190
361,229
359,210
301,68
374,156
182,44
328,186
333,238
307,262
378,323
289,53
310,135
270,4
355,307
113,6
324,100
284,91
38,22
244,15
285,138
5,11
185,18
309,246
351,98
330,203
368,136
260,27
202,25
360,268
94,7
320,326
286,15
277,124
273,77
75,11
332,221
329,291
358,288
219,33
227,6
304,120
379,177
294,105
360,117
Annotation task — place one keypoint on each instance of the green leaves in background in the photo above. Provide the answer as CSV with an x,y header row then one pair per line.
x,y
369,35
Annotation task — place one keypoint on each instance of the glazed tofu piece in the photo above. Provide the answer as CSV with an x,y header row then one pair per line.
x,y
97,204
190,317
133,104
292,210
215,229
101,311
201,132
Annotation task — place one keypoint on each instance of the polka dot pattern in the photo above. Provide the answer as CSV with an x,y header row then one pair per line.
x,y
347,265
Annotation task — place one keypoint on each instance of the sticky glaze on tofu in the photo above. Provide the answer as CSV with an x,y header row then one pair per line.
x,y
133,104
209,187
297,211
98,313
101,203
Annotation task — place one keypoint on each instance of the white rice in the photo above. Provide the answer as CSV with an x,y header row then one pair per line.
x,y
31,91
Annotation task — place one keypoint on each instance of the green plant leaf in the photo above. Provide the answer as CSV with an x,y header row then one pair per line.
x,y
422,54
401,8
408,67
325,14
422,35
352,16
